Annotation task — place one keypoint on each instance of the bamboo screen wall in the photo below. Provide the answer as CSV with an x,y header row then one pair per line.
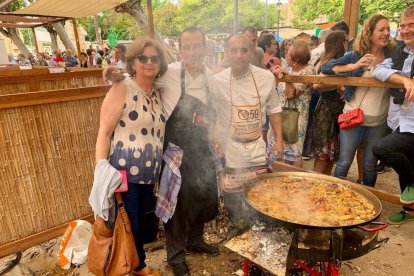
x,y
47,145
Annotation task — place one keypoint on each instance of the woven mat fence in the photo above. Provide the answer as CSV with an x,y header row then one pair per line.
x,y
47,160
47,150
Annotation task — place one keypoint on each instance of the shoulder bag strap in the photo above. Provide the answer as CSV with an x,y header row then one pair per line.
x,y
118,199
366,91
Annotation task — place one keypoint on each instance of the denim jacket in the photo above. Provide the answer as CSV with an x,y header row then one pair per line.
x,y
349,58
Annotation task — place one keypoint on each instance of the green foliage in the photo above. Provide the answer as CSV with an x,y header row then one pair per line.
x,y
306,11
390,8
27,34
163,19
158,3
123,25
17,4
251,13
334,9
87,24
214,16
201,13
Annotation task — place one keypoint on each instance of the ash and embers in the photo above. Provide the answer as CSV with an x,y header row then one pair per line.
x,y
268,248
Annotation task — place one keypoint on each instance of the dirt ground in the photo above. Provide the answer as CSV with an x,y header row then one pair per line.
x,y
393,257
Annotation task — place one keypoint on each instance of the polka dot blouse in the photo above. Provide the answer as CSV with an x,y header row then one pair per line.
x,y
138,138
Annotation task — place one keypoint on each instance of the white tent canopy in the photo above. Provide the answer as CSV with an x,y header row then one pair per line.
x,y
68,8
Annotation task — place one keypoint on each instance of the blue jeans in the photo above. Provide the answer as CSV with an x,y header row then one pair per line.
x,y
138,201
349,140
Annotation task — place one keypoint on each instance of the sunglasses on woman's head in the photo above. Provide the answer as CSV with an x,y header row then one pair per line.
x,y
144,59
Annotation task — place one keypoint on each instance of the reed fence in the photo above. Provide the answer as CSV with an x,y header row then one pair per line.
x,y
48,127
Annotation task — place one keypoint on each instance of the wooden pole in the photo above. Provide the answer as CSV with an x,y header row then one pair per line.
x,y
5,3
97,30
236,16
35,40
75,30
351,16
150,19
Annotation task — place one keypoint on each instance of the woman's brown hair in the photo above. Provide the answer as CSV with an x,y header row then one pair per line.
x,y
335,44
137,48
362,44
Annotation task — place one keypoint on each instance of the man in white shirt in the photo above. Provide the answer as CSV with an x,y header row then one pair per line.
x,y
257,53
120,51
397,148
243,95
186,97
318,52
257,58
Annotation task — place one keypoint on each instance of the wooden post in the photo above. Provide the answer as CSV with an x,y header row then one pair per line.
x,y
75,30
35,40
236,17
351,16
150,18
97,30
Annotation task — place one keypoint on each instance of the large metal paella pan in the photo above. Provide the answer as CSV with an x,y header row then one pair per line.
x,y
310,200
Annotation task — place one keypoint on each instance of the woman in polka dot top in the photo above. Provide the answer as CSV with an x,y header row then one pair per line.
x,y
131,133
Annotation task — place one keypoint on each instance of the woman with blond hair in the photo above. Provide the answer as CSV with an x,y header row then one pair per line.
x,y
371,47
131,134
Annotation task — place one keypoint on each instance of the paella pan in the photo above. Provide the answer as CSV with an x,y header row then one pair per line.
x,y
311,200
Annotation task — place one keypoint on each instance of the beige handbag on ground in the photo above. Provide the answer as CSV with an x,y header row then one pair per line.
x,y
113,252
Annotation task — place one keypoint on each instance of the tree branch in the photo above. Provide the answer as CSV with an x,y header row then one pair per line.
x,y
5,33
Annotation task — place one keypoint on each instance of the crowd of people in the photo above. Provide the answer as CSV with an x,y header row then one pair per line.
x,y
201,133
91,58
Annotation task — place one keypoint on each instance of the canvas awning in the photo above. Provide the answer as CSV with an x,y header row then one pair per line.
x,y
68,8
16,21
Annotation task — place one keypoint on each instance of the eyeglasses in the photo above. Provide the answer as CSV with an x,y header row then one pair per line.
x,y
191,47
409,26
144,59
243,50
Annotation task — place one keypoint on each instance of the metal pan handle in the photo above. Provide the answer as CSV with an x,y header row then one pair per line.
x,y
383,225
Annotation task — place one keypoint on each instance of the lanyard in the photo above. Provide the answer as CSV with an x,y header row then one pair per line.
x,y
235,125
255,85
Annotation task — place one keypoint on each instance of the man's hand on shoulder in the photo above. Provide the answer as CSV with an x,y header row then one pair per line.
x,y
112,74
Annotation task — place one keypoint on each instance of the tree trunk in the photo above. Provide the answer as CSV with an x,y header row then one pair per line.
x,y
60,30
134,9
97,32
13,34
53,36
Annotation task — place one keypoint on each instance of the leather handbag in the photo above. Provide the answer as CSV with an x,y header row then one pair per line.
x,y
290,117
113,252
351,118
